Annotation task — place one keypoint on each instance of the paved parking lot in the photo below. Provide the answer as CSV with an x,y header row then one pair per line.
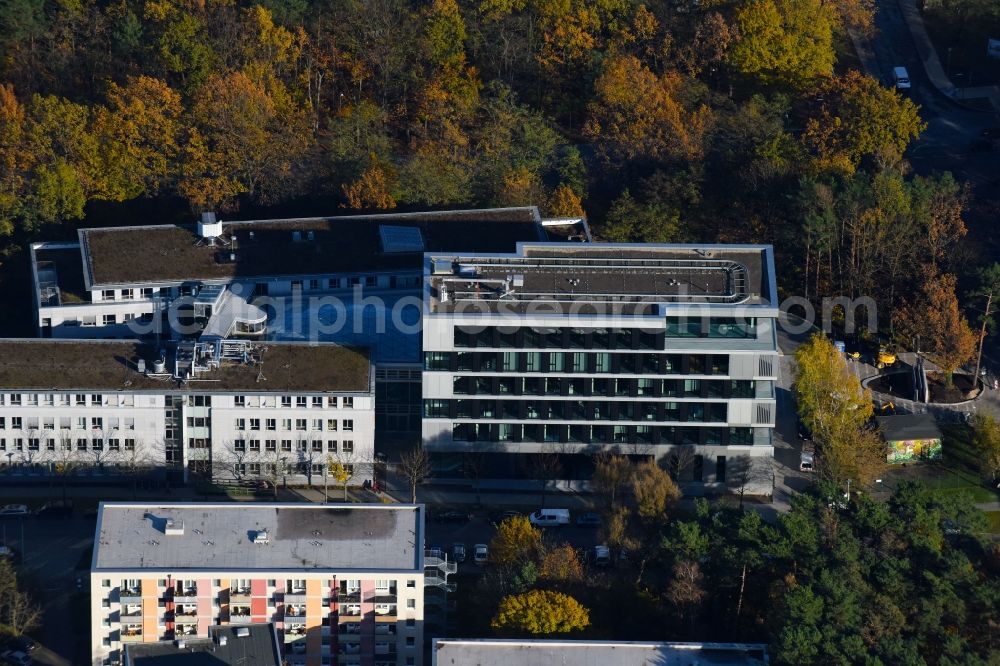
x,y
50,551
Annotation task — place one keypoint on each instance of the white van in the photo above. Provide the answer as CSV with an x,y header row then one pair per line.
x,y
900,78
549,517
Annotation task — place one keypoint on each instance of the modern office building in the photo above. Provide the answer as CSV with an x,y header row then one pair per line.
x,y
281,412
342,584
564,351
234,645
477,652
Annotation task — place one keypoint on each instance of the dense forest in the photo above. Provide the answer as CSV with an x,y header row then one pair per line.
x,y
672,120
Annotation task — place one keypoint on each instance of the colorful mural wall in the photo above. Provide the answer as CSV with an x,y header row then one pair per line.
x,y
910,450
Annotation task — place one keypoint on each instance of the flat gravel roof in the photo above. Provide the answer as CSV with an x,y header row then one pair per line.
x,y
221,537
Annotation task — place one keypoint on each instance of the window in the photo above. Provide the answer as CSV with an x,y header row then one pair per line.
x,y
300,401
411,603
317,401
255,445
286,401
146,292
15,399
286,445
15,422
271,445
348,425
81,399
240,401
300,424
331,425
333,283
241,424
348,402
317,445
286,424
96,423
81,444
107,294
96,399
109,319
720,469
314,284
255,424
271,424
239,444
317,425
347,446
437,361
114,445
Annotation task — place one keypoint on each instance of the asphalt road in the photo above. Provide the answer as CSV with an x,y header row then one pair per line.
x,y
50,551
951,128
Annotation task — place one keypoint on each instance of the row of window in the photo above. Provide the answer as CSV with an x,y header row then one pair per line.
x,y
578,410
604,338
620,387
132,587
315,445
67,400
395,282
333,402
579,362
317,425
555,433
66,423
270,470
78,444
143,293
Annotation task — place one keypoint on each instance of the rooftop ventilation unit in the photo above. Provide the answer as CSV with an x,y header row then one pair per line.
x,y
174,528
242,632
443,267
180,644
140,366
296,236
260,536
223,640
209,227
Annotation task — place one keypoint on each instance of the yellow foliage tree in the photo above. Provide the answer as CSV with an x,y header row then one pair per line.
x,y
370,190
540,612
655,492
564,202
637,114
516,541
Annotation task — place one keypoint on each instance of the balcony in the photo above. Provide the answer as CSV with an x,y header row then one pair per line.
x,y
294,610
239,595
186,629
131,610
350,628
385,612
131,634
239,614
350,596
349,648
187,592
295,595
385,629
130,596
294,632
350,610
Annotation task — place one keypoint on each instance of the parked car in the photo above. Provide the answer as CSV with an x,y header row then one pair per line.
x,y
14,510
805,434
458,552
480,554
458,517
588,519
602,556
549,517
498,517
21,644
16,658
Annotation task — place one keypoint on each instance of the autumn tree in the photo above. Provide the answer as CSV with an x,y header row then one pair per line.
x,y
632,221
856,118
637,114
561,563
338,472
515,542
14,160
933,315
655,492
138,134
564,202
246,140
987,290
784,41
540,612
832,404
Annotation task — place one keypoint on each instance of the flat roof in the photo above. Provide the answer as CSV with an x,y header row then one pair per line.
x,y
220,537
110,365
902,427
632,278
483,652
255,645
306,246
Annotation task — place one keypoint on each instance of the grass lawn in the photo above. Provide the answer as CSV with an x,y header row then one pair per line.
x,y
993,517
957,471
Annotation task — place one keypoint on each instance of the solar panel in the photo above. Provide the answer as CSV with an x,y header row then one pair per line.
x,y
400,239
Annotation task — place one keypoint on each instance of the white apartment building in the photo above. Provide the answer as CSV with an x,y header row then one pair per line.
x,y
572,349
343,584
283,412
